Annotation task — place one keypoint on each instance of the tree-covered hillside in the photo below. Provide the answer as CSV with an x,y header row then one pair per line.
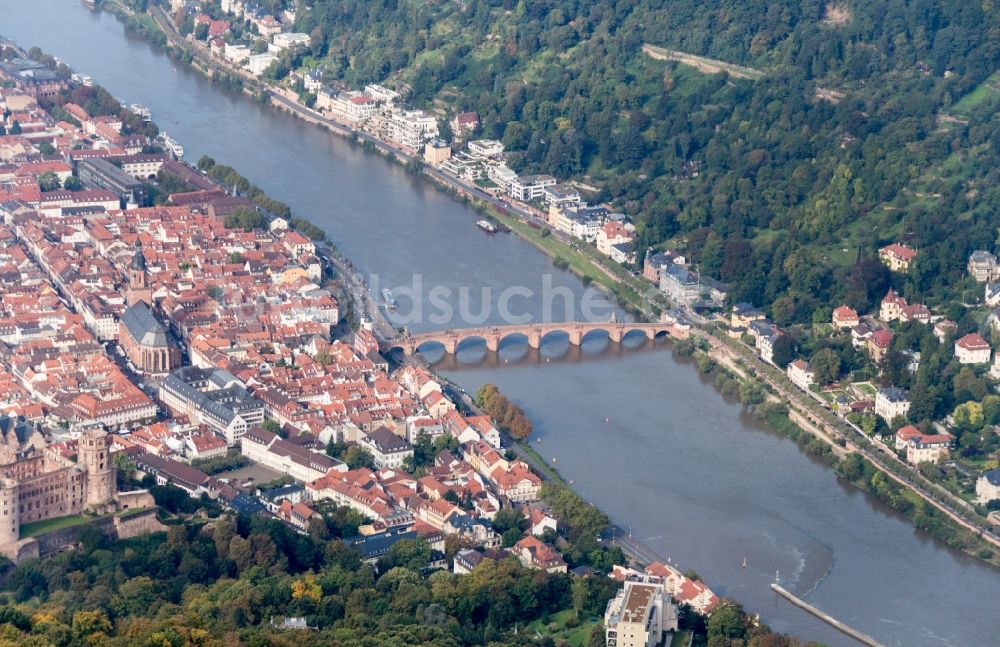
x,y
234,581
845,142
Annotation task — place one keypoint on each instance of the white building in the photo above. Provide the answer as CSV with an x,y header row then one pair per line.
x,y
302,464
281,42
257,64
801,374
353,107
214,398
561,194
972,349
927,448
891,402
381,93
237,53
640,614
983,266
527,188
988,486
388,449
501,175
412,128
485,148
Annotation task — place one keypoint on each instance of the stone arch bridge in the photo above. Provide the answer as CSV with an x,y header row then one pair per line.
x,y
495,335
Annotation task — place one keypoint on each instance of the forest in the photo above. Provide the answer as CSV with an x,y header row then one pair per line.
x,y
870,123
229,580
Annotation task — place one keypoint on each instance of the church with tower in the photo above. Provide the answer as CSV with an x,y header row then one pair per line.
x,y
147,343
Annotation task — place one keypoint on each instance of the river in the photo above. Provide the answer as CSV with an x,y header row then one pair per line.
x,y
640,434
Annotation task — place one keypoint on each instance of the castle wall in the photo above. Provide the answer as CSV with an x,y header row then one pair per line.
x,y
52,494
24,468
115,527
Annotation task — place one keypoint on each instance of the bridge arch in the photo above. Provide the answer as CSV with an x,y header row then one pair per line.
x,y
536,334
504,337
595,333
464,341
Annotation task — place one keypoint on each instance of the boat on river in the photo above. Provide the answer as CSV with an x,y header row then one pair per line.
x,y
142,111
388,299
487,226
172,145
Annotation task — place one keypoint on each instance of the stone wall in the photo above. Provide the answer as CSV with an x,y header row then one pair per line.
x,y
140,522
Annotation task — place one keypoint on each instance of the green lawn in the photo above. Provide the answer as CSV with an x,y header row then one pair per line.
x,y
549,469
681,639
48,525
866,388
984,92
557,630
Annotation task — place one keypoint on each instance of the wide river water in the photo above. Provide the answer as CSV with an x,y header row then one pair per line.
x,y
639,433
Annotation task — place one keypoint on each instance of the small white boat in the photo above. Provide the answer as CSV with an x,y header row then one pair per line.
x,y
142,111
487,226
172,145
389,300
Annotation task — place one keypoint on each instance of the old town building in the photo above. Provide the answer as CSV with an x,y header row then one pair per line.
x,y
146,342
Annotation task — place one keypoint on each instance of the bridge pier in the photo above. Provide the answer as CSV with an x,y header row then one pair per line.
x,y
576,331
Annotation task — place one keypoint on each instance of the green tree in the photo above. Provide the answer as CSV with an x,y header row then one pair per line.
x,y
968,416
356,457
726,622
991,409
413,554
245,218
783,351
825,364
89,624
49,181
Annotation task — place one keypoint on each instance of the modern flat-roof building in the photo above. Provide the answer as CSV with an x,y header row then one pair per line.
x,y
527,188
640,614
99,173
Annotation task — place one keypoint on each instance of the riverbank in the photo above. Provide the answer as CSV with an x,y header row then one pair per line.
x,y
565,255
756,370
851,462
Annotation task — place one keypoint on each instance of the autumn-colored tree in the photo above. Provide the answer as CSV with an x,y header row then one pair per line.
x,y
307,588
